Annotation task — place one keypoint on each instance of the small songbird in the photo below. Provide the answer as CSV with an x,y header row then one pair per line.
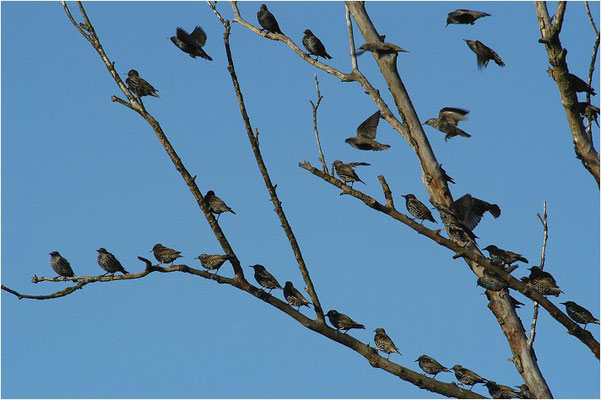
x,y
542,281
191,43
463,16
267,20
294,297
342,322
503,257
431,366
346,172
525,392
578,85
467,377
60,265
264,278
314,45
216,205
213,261
417,208
165,255
497,391
381,48
469,210
384,343
484,53
588,111
492,282
448,118
580,314
139,86
109,262
366,135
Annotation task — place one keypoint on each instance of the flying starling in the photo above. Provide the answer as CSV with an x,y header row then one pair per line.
x,y
139,86
525,392
463,16
447,121
294,297
578,85
366,135
267,20
383,342
213,261
346,172
503,257
542,282
470,210
588,111
497,391
216,205
467,377
191,43
264,278
60,265
580,314
417,208
165,255
342,322
381,48
314,45
484,54
431,366
109,262
491,282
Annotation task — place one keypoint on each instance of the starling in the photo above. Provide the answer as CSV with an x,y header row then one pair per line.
x,y
60,265
458,232
213,261
497,391
514,302
467,377
484,54
264,278
346,172
580,314
366,135
588,111
165,255
294,297
342,322
383,342
542,282
216,205
417,208
447,121
431,366
503,257
445,175
139,86
525,392
267,20
381,48
470,210
314,45
109,262
491,282
578,85
463,16
191,43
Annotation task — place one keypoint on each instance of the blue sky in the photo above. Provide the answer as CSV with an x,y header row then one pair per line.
x,y
80,172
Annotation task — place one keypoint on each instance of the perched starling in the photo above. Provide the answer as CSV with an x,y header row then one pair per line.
x,y
342,322
445,175
578,85
216,205
165,255
314,45
470,210
267,20
588,111
381,48
514,302
417,208
447,121
458,232
294,297
503,257
139,86
542,282
467,377
366,135
484,54
525,392
491,282
346,172
580,314
191,43
213,261
497,391
264,278
60,265
383,342
431,366
109,262
463,16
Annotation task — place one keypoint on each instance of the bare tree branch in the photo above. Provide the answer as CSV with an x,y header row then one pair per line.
x,y
543,221
387,192
315,106
591,68
351,39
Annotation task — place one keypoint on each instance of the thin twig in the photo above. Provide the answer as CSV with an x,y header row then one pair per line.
x,y
591,68
543,221
590,18
315,106
351,39
387,191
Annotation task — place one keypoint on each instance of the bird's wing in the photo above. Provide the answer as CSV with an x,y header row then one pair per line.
x,y
182,35
198,36
453,115
368,128
493,54
355,164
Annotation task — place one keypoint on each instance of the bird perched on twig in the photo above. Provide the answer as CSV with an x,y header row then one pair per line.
x,y
342,322
578,85
463,16
484,53
491,281
346,171
384,343
542,282
139,86
381,48
431,366
503,257
314,45
191,43
216,205
580,314
467,377
264,278
448,118
366,135
165,255
60,265
213,261
497,391
109,262
267,20
294,297
469,210
588,110
417,208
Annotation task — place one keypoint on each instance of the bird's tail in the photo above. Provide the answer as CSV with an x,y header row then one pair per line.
x,y
124,271
522,259
232,211
359,326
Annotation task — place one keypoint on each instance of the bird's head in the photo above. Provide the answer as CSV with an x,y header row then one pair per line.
x,y
132,72
431,122
210,193
54,253
263,7
380,330
156,247
101,250
308,32
490,247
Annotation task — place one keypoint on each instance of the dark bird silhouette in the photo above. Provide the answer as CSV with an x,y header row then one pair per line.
x,y
366,135
470,210
514,302
213,261
384,343
542,282
346,172
447,121
497,391
580,314
578,85
267,20
294,297
503,257
484,54
463,16
109,262
431,366
139,86
417,208
216,205
588,111
445,175
525,392
467,377
314,45
191,43
381,48
264,278
342,322
458,232
60,265
165,255
492,282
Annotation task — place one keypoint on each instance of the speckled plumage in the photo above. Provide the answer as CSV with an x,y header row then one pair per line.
x,y
109,262
342,322
60,265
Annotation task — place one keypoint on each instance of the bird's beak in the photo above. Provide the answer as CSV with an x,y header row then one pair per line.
x,y
150,251
416,360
